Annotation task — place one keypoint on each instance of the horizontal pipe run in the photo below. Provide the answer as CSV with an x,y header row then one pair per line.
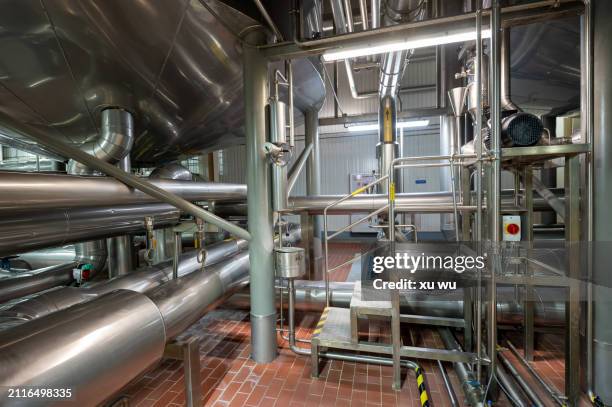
x,y
94,349
9,126
27,191
30,283
127,333
310,296
140,281
23,232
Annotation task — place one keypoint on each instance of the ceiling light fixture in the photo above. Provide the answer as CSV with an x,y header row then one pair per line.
x,y
445,38
400,125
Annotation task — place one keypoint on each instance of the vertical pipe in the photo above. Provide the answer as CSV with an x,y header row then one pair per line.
x,y
375,9
120,247
587,126
495,192
263,307
478,180
313,186
363,9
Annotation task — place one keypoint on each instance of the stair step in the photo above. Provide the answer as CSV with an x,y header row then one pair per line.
x,y
363,307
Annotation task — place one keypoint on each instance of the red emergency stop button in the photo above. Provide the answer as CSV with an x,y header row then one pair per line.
x,y
512,229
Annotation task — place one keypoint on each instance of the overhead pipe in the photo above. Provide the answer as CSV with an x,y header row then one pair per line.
x,y
420,202
24,232
113,143
28,191
10,127
506,88
344,24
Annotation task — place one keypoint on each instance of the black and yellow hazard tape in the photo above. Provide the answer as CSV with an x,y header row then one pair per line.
x,y
421,385
321,322
596,400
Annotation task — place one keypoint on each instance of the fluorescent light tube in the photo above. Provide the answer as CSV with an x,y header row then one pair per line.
x,y
446,38
400,125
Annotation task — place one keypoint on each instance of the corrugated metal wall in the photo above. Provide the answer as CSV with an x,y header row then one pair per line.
x,y
344,153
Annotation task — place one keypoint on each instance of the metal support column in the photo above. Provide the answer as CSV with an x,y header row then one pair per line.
x,y
313,187
601,194
572,307
528,306
263,307
495,192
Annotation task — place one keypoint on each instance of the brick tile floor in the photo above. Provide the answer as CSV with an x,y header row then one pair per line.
x,y
230,378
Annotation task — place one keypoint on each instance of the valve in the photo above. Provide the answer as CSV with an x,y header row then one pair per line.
x,y
82,273
151,241
278,153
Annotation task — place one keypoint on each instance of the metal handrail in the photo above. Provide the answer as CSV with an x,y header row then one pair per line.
x,y
328,237
395,164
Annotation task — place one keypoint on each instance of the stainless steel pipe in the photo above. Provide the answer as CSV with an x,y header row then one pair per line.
x,y
182,302
93,349
30,283
139,281
28,191
9,126
23,232
127,332
310,296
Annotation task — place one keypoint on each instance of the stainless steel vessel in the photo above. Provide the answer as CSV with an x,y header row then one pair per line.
x,y
175,65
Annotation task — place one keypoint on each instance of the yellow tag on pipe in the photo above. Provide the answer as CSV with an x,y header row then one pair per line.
x,y
388,126
358,191
392,191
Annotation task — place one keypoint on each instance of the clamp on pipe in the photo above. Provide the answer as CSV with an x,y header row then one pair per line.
x,y
151,241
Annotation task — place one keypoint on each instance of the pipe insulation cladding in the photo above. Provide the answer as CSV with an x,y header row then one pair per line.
x,y
27,191
97,347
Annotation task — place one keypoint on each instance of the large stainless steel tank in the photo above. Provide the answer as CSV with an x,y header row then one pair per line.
x,y
175,64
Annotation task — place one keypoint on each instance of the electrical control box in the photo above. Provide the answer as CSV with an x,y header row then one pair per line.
x,y
511,228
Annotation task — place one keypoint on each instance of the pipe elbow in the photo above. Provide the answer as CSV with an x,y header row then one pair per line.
x,y
112,145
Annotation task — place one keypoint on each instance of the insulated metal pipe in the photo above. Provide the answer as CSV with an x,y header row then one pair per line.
x,y
29,283
263,310
10,127
29,191
28,231
182,302
113,143
140,281
59,350
525,386
94,349
310,296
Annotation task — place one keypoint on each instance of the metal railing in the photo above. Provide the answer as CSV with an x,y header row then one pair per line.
x,y
328,237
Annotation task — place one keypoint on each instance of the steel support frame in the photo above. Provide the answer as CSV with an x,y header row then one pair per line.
x,y
529,293
573,259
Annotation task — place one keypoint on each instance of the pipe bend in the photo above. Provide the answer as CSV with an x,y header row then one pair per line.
x,y
113,143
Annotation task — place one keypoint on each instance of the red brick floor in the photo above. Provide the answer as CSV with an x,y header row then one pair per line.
x,y
230,378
